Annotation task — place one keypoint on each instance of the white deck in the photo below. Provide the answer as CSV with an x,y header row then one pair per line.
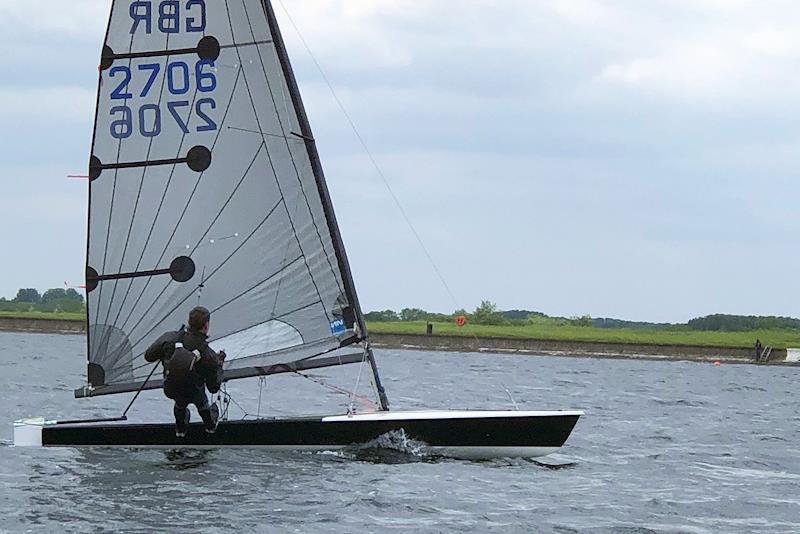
x,y
445,414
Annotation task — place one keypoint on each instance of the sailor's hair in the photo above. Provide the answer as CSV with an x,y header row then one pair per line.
x,y
198,318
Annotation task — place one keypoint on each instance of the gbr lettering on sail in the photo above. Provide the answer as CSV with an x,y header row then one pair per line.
x,y
169,16
186,84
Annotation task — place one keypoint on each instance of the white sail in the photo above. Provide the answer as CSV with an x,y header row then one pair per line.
x,y
206,189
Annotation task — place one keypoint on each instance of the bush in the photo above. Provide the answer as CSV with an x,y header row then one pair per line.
x,y
28,295
742,323
53,300
487,313
385,316
584,320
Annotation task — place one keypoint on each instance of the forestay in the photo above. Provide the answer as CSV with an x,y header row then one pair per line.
x,y
206,189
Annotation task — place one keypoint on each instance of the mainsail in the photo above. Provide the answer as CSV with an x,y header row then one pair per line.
x,y
206,188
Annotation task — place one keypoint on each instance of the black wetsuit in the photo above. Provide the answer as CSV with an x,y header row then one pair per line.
x,y
190,366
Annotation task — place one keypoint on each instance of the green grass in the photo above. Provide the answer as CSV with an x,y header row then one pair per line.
x,y
51,316
773,338
548,332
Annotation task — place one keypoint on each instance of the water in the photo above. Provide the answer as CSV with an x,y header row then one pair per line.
x,y
664,447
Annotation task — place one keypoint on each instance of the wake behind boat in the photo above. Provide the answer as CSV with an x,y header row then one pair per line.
x,y
206,188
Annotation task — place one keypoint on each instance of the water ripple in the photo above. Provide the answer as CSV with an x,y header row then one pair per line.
x,y
665,447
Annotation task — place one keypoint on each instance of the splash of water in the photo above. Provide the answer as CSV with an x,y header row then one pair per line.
x,y
393,447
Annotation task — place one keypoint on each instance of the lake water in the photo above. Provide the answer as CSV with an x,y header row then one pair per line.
x,y
664,447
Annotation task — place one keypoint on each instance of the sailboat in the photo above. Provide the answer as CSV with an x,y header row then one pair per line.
x,y
206,187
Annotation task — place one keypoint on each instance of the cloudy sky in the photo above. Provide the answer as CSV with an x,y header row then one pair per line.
x,y
628,159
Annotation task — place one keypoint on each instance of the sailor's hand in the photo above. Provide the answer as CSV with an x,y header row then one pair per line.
x,y
222,356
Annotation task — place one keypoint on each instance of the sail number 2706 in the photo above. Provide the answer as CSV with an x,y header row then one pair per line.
x,y
178,81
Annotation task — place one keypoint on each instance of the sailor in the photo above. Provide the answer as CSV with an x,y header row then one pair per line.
x,y
190,366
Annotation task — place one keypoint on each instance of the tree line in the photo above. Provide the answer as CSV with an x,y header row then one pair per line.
x,y
485,314
743,323
69,300
488,314
53,300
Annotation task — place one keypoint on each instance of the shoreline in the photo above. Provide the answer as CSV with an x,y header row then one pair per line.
x,y
42,326
501,345
578,349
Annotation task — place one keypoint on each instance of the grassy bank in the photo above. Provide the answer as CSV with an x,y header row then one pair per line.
x,y
779,339
774,338
48,316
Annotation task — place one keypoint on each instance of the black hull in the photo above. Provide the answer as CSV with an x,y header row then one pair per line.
x,y
472,434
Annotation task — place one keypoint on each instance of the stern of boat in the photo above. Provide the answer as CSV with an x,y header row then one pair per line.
x,y
28,432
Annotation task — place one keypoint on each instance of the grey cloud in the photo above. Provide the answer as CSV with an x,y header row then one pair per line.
x,y
550,154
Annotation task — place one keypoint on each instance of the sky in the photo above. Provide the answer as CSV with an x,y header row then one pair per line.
x,y
613,158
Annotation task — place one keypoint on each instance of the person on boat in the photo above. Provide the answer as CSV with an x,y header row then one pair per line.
x,y
190,366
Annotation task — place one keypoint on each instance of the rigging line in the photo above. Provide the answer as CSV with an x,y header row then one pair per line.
x,y
271,164
262,380
161,203
267,134
372,158
351,408
215,271
199,241
136,206
376,391
153,370
223,390
114,187
185,208
232,400
365,400
201,286
288,147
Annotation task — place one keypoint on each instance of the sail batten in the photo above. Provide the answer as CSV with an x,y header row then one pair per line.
x,y
206,189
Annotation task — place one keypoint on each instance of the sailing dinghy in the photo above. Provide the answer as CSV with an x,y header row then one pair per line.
x,y
206,188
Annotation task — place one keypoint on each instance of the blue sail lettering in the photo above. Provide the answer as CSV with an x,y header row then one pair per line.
x,y
209,125
191,25
141,12
178,78
169,16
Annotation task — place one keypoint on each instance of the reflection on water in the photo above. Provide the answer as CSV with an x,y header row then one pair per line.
x,y
183,459
376,454
554,467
